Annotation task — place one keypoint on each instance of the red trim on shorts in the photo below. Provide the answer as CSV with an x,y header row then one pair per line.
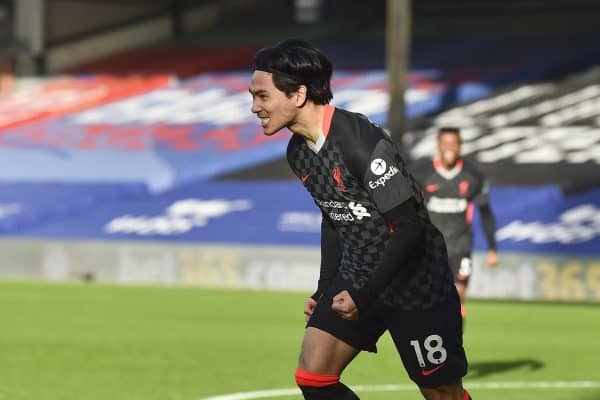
x,y
327,118
306,378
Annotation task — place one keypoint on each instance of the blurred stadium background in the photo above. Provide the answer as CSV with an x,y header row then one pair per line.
x,y
130,160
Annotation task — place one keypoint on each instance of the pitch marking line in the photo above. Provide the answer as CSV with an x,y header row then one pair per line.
x,y
265,394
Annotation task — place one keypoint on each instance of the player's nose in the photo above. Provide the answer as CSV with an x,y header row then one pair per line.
x,y
255,107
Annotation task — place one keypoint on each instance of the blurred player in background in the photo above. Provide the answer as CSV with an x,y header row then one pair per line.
x,y
384,264
452,186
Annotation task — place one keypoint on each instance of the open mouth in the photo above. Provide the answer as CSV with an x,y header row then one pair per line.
x,y
264,120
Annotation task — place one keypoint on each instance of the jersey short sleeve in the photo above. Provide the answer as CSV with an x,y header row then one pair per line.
x,y
481,186
385,177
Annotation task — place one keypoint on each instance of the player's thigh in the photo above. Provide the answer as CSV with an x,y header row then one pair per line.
x,y
331,340
323,353
430,343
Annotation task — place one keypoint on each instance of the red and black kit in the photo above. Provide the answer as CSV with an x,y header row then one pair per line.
x,y
451,196
379,243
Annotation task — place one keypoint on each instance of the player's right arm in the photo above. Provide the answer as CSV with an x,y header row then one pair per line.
x,y
331,255
331,248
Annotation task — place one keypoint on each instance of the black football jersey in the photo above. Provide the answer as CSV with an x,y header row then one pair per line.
x,y
450,197
354,177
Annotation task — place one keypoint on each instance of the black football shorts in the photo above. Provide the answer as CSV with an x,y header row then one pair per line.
x,y
429,341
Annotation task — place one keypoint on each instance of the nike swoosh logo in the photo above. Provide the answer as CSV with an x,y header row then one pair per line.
x,y
427,372
304,178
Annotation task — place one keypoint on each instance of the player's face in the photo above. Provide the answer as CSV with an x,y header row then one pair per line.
x,y
274,109
449,148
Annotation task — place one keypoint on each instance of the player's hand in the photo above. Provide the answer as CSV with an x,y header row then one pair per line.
x,y
344,305
492,258
309,307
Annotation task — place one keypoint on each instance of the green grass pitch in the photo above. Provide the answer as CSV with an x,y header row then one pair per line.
x,y
88,342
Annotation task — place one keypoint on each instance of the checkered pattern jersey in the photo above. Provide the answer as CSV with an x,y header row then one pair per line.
x,y
354,178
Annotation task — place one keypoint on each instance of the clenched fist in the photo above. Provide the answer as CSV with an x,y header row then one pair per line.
x,y
344,305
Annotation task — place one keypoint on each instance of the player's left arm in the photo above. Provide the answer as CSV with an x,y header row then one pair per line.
x,y
391,189
488,222
408,230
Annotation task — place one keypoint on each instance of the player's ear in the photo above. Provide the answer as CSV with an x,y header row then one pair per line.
x,y
300,95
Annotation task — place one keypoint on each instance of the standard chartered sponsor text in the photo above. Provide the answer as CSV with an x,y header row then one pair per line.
x,y
341,217
331,204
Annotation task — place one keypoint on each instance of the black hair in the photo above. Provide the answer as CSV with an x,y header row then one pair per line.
x,y
451,130
294,63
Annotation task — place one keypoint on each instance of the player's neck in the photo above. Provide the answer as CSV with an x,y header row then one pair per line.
x,y
450,167
309,122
